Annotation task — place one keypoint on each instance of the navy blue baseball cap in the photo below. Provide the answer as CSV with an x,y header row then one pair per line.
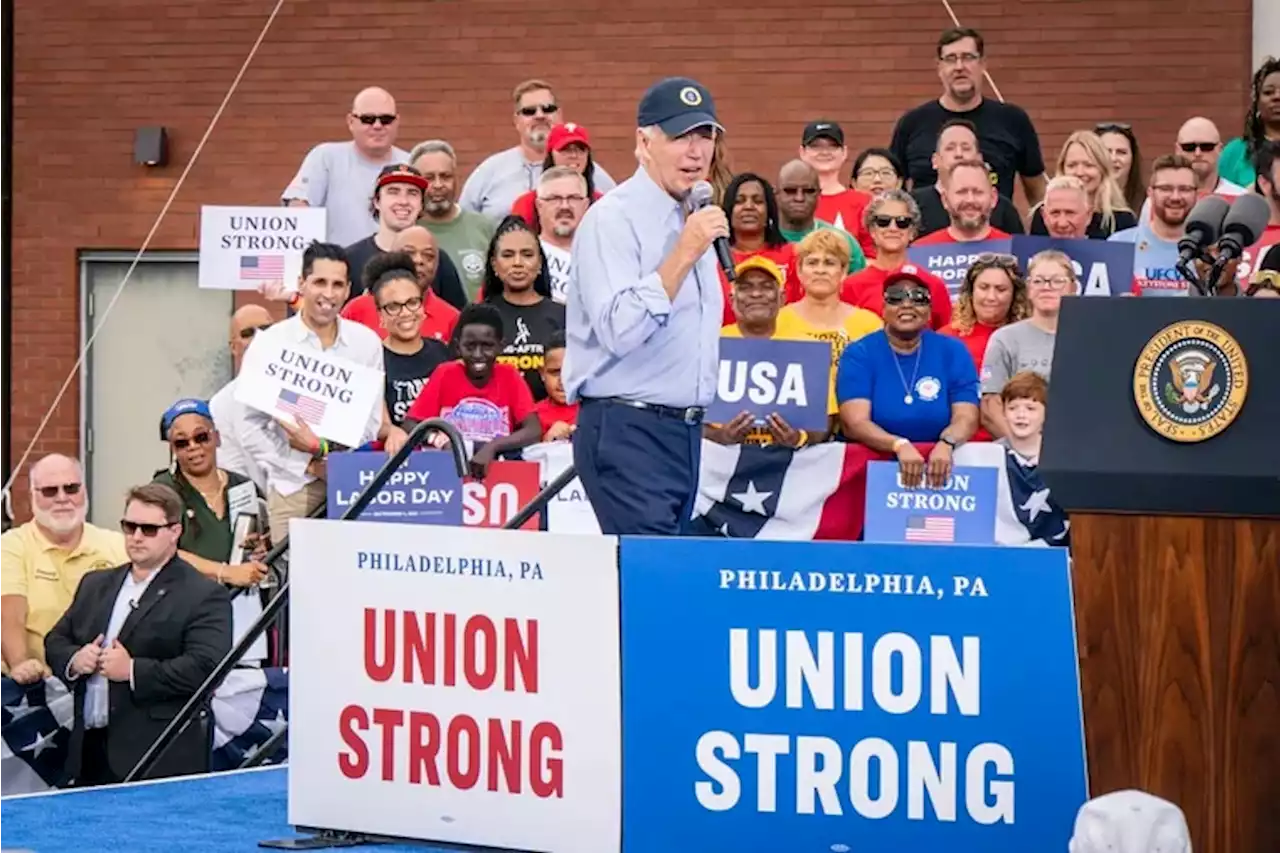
x,y
188,406
677,105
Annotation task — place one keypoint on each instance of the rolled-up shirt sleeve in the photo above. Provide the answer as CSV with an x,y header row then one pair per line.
x,y
625,306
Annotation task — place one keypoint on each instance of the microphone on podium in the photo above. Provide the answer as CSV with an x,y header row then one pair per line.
x,y
699,197
1242,227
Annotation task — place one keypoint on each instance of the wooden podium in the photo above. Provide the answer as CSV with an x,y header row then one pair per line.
x,y
1163,444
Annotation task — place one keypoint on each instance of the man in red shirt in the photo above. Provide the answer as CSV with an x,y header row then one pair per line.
x,y
438,316
967,196
822,147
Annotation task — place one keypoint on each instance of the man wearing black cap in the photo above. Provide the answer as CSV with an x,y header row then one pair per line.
x,y
643,321
822,147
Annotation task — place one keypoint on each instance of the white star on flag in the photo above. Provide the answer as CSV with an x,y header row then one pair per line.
x,y
752,500
22,709
1036,504
41,743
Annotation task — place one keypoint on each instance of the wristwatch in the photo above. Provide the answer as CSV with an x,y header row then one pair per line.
x,y
948,442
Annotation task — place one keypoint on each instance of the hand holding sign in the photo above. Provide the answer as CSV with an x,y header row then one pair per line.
x,y
910,465
783,433
939,469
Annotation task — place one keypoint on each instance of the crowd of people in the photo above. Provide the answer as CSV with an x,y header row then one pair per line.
x,y
464,294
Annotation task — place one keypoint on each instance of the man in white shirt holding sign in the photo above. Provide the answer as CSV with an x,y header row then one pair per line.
x,y
562,202
309,381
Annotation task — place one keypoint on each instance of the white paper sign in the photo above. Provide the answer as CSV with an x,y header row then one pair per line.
x,y
570,511
455,685
337,397
241,247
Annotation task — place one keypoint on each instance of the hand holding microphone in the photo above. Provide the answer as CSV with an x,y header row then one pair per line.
x,y
707,226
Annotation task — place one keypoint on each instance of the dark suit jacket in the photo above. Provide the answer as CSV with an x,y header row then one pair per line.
x,y
176,635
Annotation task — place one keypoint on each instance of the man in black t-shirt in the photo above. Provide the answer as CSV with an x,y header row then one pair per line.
x,y
1008,139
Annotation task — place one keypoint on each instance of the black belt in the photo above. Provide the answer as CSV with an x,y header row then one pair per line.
x,y
689,414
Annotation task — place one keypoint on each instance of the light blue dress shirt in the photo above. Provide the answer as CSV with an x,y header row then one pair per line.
x,y
626,338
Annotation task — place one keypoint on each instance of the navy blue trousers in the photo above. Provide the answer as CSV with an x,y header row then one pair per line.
x,y
639,468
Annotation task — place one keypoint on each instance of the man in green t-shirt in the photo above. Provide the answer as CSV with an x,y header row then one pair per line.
x,y
797,201
462,234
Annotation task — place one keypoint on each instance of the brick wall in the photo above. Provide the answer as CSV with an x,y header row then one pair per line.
x,y
90,71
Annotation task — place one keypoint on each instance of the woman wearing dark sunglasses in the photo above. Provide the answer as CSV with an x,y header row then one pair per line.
x,y
211,496
908,385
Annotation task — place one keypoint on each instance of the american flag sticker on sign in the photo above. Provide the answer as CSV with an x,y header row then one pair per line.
x,y
301,406
261,267
931,528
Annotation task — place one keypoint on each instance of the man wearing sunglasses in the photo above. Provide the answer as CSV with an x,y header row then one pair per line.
x,y
503,177
1200,142
135,644
246,323
337,175
43,562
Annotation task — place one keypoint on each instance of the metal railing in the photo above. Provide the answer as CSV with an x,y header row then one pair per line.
x,y
204,693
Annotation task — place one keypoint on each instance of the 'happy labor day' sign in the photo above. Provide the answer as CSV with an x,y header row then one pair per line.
x,y
340,399
813,696
241,247
425,489
763,377
951,261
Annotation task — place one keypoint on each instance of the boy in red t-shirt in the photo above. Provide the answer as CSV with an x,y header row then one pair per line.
x,y
558,417
489,403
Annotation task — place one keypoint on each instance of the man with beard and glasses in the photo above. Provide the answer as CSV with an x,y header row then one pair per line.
x,y
246,323
44,560
798,188
337,175
967,196
1171,192
562,201
503,177
463,235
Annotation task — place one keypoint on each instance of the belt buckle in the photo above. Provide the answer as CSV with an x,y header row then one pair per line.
x,y
692,415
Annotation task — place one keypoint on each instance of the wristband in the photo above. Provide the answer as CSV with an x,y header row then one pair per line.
x,y
897,444
294,299
804,439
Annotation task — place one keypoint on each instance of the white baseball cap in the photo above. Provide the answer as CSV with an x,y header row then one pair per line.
x,y
1130,822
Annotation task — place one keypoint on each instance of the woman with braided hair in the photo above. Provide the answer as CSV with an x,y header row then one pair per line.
x,y
1261,123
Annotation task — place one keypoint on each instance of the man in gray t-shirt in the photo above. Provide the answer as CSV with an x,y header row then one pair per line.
x,y
337,175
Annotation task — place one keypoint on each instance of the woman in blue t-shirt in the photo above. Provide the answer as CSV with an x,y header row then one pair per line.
x,y
908,384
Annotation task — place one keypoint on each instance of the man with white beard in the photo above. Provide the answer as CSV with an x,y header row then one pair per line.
x,y
562,201
1171,192
43,561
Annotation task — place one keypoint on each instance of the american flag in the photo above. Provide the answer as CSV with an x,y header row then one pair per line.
x,y
931,528
306,408
261,267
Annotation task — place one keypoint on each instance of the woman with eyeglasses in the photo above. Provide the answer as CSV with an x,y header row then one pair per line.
x,y
409,359
876,171
516,283
1085,158
568,145
908,385
1027,345
1126,161
893,219
212,497
755,229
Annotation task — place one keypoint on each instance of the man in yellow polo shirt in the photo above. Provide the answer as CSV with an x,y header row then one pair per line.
x,y
43,561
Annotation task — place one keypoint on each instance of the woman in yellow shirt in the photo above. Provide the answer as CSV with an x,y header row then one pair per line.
x,y
822,258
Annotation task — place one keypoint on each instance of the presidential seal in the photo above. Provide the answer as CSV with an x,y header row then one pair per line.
x,y
1190,381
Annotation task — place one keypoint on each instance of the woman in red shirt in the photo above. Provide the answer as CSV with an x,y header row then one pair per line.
x,y
893,219
752,210
569,145
489,403
993,294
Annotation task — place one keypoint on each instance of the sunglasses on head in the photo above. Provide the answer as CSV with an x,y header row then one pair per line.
x,y
997,259
1112,127
903,222
1191,147
148,530
545,109
196,438
67,489
249,331
898,295
383,119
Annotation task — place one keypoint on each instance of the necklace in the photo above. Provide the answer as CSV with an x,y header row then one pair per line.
x,y
907,386
210,497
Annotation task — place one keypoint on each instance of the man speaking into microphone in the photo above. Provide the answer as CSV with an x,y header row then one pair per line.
x,y
643,320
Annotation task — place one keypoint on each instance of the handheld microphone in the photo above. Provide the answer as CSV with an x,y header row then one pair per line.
x,y
1203,225
699,197
1243,226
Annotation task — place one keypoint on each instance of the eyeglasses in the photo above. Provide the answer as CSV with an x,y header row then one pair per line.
x,y
800,191
395,309
563,199
51,492
1170,189
888,173
899,295
1205,147
148,530
1057,282
545,109
1112,127
383,119
249,331
959,58
903,222
201,438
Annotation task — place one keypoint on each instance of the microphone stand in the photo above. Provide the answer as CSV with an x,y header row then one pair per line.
x,y
1205,288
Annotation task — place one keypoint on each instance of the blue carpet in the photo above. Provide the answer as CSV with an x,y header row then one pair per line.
x,y
222,812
